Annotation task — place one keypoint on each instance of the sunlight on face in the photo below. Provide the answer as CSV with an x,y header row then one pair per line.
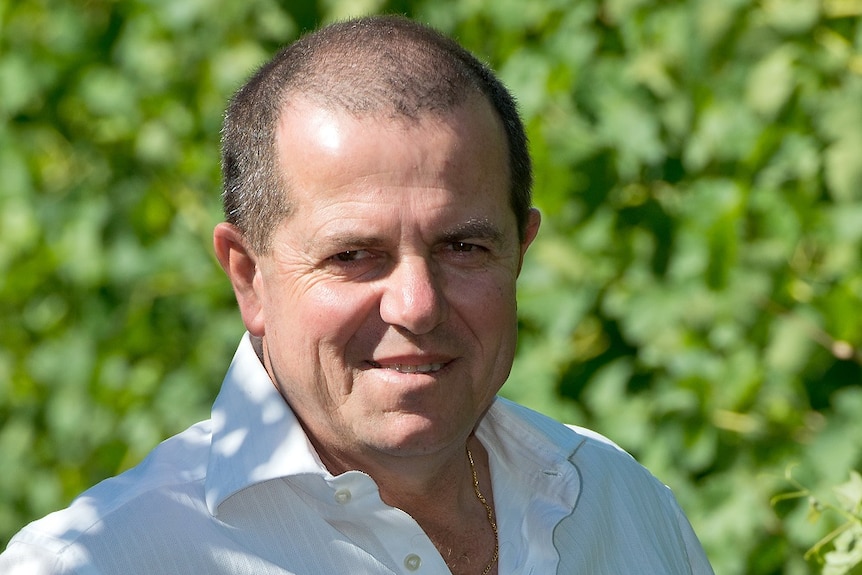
x,y
329,135
388,300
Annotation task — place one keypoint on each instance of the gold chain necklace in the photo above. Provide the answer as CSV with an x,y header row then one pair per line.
x,y
488,510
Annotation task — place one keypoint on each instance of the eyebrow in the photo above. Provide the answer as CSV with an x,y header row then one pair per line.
x,y
348,241
475,228
479,228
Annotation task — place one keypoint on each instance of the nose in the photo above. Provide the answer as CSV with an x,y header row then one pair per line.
x,y
413,297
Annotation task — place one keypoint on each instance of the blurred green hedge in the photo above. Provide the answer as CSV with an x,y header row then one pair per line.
x,y
695,294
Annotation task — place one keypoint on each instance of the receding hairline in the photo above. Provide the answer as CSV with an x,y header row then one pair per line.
x,y
410,71
386,111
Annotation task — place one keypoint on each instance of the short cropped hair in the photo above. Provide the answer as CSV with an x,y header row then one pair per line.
x,y
377,65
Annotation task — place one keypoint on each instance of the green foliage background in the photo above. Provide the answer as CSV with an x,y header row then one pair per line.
x,y
695,294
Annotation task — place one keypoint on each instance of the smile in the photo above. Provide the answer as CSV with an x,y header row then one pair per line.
x,y
403,368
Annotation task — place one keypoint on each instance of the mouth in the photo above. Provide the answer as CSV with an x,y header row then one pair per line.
x,y
408,368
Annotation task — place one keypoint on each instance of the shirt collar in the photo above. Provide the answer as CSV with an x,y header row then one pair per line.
x,y
527,450
536,483
518,430
256,436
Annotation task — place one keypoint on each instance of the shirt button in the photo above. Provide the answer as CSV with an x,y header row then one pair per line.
x,y
343,496
412,562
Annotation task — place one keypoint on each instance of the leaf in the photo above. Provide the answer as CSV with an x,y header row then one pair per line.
x,y
771,82
843,169
849,494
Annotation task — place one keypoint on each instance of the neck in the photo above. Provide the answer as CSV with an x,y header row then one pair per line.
x,y
441,481
439,493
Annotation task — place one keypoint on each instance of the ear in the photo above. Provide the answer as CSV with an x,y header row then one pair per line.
x,y
532,229
240,263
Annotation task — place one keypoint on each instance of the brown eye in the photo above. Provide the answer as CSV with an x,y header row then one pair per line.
x,y
349,256
463,247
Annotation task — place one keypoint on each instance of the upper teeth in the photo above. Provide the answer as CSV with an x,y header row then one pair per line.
x,y
403,368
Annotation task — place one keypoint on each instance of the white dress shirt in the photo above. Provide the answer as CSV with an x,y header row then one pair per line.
x,y
245,493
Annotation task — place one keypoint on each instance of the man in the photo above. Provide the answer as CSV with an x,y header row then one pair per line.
x,y
377,192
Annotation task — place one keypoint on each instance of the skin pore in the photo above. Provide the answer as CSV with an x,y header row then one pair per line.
x,y
386,305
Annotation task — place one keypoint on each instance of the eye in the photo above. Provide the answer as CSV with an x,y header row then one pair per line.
x,y
350,256
464,253
463,247
354,264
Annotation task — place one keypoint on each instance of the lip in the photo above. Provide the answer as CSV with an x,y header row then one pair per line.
x,y
421,365
422,368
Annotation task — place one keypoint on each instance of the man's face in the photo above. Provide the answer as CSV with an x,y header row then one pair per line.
x,y
387,301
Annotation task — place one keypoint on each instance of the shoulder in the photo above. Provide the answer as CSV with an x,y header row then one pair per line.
x,y
622,518
170,476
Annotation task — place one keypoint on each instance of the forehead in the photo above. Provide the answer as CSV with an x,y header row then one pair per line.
x,y
456,158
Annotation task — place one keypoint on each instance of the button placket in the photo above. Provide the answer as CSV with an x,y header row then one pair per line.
x,y
355,503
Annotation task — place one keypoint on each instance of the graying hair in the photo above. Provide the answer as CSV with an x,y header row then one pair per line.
x,y
386,65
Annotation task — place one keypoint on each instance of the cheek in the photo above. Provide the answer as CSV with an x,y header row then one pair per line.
x,y
325,313
489,314
490,299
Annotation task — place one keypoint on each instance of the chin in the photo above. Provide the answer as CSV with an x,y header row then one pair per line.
x,y
416,435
